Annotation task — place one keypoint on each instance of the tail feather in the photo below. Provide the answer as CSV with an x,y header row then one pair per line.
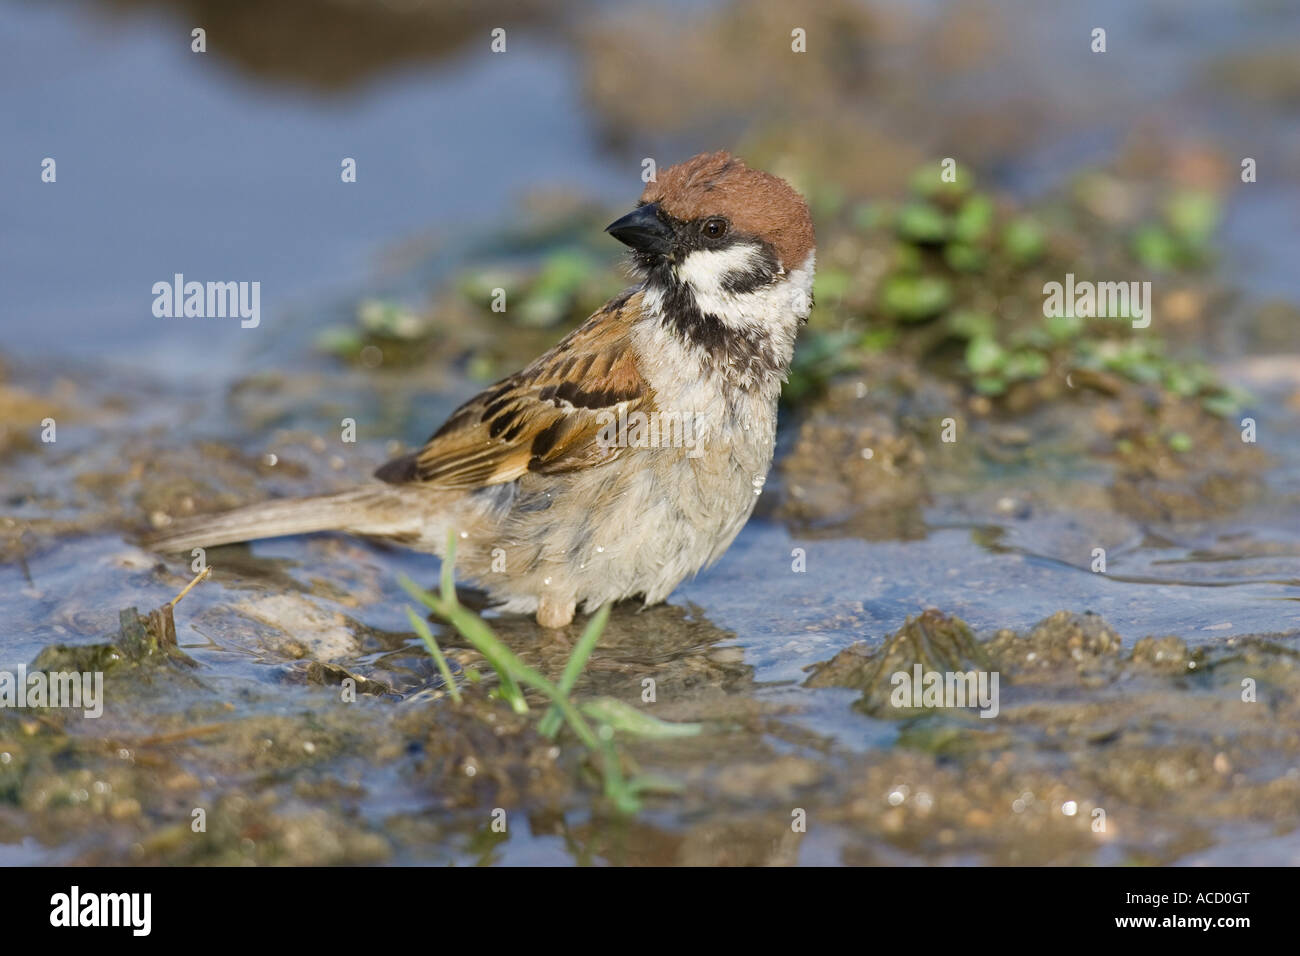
x,y
366,510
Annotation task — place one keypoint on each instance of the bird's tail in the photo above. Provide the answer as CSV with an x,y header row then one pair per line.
x,y
373,510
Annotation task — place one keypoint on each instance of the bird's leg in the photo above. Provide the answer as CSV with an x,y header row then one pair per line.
x,y
555,611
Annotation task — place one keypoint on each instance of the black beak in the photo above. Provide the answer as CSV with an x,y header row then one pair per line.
x,y
643,230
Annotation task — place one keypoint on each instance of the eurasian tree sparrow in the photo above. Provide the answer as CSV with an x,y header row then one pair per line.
x,y
548,511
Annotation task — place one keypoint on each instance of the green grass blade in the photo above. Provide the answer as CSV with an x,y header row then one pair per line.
x,y
502,659
617,790
448,582
426,635
627,719
550,724
654,783
485,638
472,628
512,672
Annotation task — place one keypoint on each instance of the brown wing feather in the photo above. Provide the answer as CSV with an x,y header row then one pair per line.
x,y
545,418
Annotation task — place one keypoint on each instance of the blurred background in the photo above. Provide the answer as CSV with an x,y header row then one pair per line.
x,y
479,170
226,164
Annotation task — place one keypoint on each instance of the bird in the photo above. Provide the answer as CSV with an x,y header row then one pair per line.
x,y
555,484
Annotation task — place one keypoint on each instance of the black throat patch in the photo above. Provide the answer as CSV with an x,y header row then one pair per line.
x,y
746,356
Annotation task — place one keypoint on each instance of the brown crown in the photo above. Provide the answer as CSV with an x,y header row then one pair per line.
x,y
757,203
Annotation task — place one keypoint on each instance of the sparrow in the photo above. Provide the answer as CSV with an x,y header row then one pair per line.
x,y
554,503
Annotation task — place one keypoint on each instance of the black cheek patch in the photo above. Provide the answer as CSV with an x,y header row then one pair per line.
x,y
764,270
751,280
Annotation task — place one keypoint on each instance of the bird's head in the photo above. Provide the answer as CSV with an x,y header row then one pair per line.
x,y
734,240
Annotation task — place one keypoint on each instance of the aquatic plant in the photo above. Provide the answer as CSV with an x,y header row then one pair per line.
x,y
609,715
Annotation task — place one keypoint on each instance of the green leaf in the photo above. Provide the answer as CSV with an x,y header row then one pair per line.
x,y
426,635
973,220
915,298
1025,364
1193,216
928,181
552,292
550,724
984,355
1024,241
390,320
1063,328
965,258
1155,248
345,343
922,223
627,719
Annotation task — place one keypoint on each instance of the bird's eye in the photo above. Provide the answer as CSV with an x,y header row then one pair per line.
x,y
715,228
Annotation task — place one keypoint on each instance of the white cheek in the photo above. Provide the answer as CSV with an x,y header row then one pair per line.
x,y
673,367
781,305
706,269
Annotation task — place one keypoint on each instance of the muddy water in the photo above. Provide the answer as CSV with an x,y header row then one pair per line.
x,y
259,737
775,662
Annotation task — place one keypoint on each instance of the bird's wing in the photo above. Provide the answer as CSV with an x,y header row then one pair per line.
x,y
545,419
